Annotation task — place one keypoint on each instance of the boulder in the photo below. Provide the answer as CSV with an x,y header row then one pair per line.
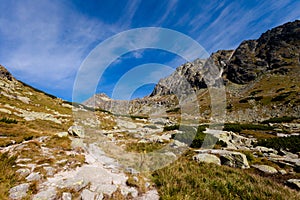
x,y
62,134
266,169
49,194
76,131
179,144
73,184
126,124
49,171
235,159
294,183
23,172
87,195
19,191
99,196
207,158
34,176
282,172
288,154
229,158
66,196
265,150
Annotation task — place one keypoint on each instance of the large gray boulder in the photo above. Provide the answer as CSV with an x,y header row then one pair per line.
x,y
235,159
229,158
207,158
76,131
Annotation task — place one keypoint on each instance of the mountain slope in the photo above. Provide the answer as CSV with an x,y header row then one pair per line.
x,y
33,111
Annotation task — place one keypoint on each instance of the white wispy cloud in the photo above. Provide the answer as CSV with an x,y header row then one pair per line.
x,y
170,9
49,41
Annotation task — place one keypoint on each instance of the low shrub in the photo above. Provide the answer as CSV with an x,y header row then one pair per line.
x,y
237,128
291,143
8,121
174,110
282,96
284,119
172,127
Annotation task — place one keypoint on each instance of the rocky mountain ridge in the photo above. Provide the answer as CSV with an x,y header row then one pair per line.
x,y
276,51
245,72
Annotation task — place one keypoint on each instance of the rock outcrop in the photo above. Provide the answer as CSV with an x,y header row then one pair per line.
x,y
276,50
4,73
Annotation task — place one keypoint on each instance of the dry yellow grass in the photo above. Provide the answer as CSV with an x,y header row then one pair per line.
x,y
186,179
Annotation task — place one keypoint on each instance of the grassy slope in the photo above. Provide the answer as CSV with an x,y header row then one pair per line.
x,y
186,179
15,129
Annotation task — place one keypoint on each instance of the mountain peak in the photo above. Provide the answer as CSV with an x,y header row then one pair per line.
x,y
4,73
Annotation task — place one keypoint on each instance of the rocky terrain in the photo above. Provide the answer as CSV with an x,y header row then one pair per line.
x,y
149,148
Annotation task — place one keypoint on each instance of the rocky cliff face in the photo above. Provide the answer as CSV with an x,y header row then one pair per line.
x,y
275,51
190,73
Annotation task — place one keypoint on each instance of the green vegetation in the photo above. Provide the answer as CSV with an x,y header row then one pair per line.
x,y
291,143
174,110
186,179
8,121
137,182
194,137
282,96
284,119
237,128
172,127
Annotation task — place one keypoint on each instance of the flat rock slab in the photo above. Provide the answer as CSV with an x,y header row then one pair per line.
x,y
266,169
93,179
49,194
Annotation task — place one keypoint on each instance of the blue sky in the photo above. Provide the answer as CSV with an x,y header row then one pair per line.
x,y
43,43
